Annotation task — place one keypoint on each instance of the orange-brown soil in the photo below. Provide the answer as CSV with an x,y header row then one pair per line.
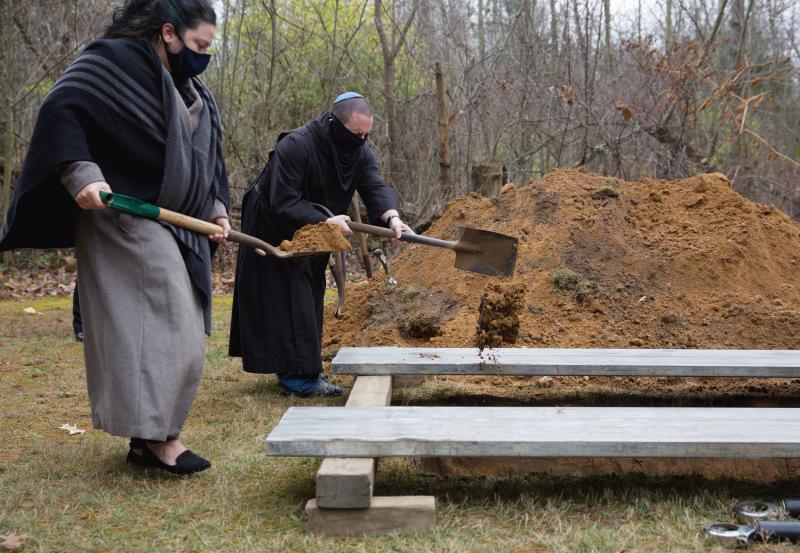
x,y
322,237
498,314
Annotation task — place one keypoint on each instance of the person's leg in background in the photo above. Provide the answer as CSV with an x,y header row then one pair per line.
x,y
77,321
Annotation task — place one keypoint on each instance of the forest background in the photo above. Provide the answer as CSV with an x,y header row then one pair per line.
x,y
641,88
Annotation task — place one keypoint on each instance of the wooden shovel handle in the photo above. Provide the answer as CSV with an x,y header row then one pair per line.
x,y
184,221
206,228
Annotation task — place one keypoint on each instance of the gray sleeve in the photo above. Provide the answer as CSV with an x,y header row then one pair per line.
x,y
74,176
219,210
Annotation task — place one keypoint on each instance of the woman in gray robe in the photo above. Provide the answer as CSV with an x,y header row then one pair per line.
x,y
130,115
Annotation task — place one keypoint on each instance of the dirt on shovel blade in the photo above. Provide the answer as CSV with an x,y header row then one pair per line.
x,y
322,237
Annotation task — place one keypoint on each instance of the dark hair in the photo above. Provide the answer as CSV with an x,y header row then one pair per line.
x,y
344,110
145,18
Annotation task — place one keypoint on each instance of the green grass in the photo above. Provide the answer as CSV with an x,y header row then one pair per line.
x,y
563,278
75,493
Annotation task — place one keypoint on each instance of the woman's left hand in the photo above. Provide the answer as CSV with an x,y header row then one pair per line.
x,y
226,228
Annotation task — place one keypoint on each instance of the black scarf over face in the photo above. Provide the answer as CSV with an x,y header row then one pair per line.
x,y
346,146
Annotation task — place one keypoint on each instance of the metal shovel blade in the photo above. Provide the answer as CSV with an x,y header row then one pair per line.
x,y
486,252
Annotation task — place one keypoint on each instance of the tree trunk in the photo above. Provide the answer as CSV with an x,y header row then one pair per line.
x,y
390,48
668,26
607,16
487,178
444,138
8,150
481,30
391,123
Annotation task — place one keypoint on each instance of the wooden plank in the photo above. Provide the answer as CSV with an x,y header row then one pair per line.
x,y
374,391
568,362
345,483
386,514
348,483
537,432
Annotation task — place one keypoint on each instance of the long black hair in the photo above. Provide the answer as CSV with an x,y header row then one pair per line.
x,y
145,18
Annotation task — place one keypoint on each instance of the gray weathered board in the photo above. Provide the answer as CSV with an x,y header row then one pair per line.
x,y
563,362
536,432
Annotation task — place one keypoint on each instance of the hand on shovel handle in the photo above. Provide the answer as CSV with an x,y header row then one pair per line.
x,y
397,226
89,196
220,238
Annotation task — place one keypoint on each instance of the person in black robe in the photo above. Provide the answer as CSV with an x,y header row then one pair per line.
x,y
276,325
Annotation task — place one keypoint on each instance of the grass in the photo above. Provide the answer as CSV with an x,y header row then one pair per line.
x,y
75,493
563,278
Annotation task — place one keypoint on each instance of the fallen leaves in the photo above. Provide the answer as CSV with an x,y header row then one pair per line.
x,y
12,542
624,111
72,429
569,95
36,283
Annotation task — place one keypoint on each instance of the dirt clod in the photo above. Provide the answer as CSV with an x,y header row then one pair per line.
x,y
605,192
322,237
498,320
545,382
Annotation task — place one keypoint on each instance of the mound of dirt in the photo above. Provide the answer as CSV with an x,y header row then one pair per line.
x,y
322,237
609,263
603,263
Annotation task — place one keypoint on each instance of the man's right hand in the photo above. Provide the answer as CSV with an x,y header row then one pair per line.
x,y
341,221
89,196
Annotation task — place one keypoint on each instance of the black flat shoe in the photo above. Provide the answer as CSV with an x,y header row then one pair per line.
x,y
186,463
134,458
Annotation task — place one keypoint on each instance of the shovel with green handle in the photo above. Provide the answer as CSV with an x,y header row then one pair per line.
x,y
133,206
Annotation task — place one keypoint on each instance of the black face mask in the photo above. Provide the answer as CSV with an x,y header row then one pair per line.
x,y
187,63
345,139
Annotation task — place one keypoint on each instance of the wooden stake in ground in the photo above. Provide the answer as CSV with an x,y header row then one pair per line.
x,y
362,238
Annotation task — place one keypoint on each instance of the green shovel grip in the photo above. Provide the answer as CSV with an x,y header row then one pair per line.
x,y
130,205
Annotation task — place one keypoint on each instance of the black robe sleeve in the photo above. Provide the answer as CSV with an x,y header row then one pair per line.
x,y
377,195
290,160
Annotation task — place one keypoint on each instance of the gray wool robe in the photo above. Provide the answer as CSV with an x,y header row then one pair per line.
x,y
144,335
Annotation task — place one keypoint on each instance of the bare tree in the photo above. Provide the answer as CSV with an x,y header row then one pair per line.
x,y
390,47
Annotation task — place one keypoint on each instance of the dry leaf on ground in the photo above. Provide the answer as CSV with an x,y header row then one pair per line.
x,y
72,429
12,542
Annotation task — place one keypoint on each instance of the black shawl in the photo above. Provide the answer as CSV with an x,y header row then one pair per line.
x,y
115,106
